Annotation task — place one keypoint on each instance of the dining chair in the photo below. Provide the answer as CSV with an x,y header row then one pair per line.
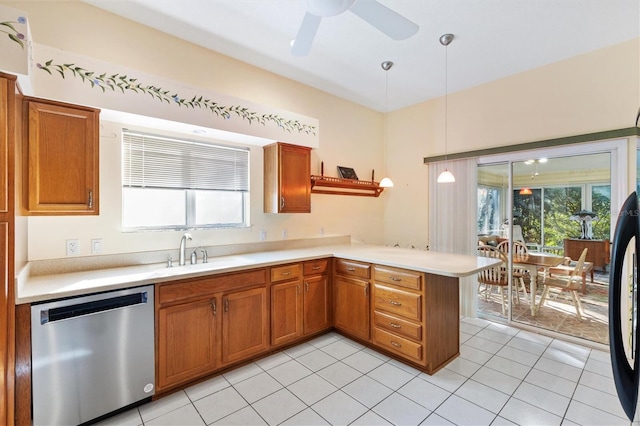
x,y
519,274
571,283
494,276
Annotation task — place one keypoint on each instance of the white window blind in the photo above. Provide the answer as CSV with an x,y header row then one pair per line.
x,y
160,162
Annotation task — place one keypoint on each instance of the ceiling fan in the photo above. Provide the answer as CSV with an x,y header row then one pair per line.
x,y
381,17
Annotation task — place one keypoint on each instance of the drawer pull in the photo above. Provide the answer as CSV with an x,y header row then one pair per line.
x,y
396,344
394,303
351,269
286,273
315,268
394,325
396,279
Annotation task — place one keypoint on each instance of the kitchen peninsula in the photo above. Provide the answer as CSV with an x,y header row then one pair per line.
x,y
211,317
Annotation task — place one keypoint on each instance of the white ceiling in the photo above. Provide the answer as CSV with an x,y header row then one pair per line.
x,y
493,39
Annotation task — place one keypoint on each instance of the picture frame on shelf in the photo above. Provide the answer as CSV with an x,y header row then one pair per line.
x,y
347,173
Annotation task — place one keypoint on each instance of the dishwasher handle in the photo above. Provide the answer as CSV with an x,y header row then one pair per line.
x,y
93,307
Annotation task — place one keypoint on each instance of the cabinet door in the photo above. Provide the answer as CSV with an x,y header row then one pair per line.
x,y
351,313
244,324
316,304
186,342
62,159
286,312
295,179
287,179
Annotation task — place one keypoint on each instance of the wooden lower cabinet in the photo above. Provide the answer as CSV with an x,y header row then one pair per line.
x,y
300,305
245,324
351,306
286,312
212,323
206,324
186,342
317,302
415,316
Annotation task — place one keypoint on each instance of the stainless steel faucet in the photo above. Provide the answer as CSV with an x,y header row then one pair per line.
x,y
183,248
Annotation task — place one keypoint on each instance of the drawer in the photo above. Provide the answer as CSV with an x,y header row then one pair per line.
x,y
400,345
355,269
398,302
313,267
398,326
285,273
399,277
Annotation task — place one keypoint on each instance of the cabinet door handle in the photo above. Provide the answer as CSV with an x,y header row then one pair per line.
x,y
226,305
366,290
282,202
306,287
396,344
394,325
298,287
394,303
396,279
214,306
90,202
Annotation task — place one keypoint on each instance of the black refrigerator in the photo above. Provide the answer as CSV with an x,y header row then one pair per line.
x,y
623,304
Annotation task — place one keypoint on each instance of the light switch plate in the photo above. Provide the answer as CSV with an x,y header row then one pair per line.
x,y
96,246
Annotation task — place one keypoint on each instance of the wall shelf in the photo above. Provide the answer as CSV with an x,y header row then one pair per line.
x,y
339,186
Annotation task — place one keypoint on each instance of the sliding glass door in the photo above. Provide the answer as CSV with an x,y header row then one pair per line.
x,y
554,204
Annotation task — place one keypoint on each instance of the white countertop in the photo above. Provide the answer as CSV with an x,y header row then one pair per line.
x,y
47,287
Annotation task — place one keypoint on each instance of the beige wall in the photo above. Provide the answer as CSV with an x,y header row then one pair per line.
x,y
592,92
350,135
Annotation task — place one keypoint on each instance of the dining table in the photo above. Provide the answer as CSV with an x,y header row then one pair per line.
x,y
533,262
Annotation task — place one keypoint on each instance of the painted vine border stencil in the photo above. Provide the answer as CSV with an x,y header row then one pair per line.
x,y
15,35
128,84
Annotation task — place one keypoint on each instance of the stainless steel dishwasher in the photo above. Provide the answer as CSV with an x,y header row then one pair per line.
x,y
91,355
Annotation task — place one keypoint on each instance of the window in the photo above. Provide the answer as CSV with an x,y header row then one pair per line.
x,y
488,210
176,184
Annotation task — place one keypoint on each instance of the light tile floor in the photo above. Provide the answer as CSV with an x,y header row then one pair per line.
x,y
503,376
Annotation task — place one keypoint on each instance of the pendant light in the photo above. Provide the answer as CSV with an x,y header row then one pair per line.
x,y
446,176
386,66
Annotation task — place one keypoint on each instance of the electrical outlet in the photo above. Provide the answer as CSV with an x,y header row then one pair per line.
x,y
285,234
96,246
73,248
263,235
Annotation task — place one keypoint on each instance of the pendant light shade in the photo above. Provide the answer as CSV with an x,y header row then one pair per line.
x,y
525,191
446,176
386,183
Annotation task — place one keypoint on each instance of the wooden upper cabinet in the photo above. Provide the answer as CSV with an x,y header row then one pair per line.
x,y
62,158
287,179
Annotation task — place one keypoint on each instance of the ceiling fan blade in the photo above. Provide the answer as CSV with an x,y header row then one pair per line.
x,y
306,34
384,19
